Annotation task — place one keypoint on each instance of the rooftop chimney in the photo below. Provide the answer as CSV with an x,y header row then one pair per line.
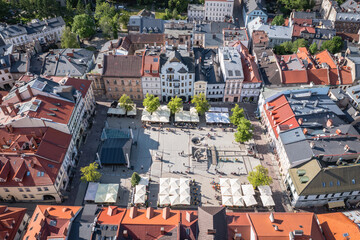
x,y
271,217
162,231
166,213
18,95
70,54
30,91
338,131
189,216
149,212
329,123
305,131
4,109
133,212
111,211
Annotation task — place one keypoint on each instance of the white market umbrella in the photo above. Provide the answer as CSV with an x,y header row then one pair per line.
x,y
184,182
238,201
226,191
249,200
139,198
267,200
248,189
236,191
174,191
185,191
164,191
174,182
185,200
140,189
164,199
235,182
224,182
164,182
227,201
265,190
174,199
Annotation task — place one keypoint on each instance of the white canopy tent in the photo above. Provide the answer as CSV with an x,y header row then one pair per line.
x,y
227,201
175,200
224,182
265,190
238,201
174,182
248,190
161,115
107,193
267,200
184,182
185,191
226,191
236,189
139,198
249,200
132,112
164,190
235,182
140,189
164,182
217,117
91,191
164,199
185,199
174,191
116,111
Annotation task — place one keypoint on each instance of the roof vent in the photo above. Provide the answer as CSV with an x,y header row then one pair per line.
x,y
237,236
271,217
298,232
304,179
211,231
301,172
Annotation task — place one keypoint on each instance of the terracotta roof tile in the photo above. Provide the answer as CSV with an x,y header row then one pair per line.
x,y
150,64
336,224
295,77
297,30
10,220
325,57
82,85
122,66
346,77
318,76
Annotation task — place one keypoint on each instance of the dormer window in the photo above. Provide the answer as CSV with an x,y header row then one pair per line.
x,y
147,71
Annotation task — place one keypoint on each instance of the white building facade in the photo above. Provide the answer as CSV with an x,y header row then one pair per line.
x,y
217,10
196,12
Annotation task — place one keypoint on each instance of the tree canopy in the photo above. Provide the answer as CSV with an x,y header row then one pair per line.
x,y
244,131
175,104
237,115
333,45
278,20
313,48
90,173
151,103
83,25
69,39
201,104
126,102
298,5
135,179
290,47
259,177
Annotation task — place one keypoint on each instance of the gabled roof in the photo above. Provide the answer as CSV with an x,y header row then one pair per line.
x,y
252,5
212,218
325,57
51,221
82,85
122,66
10,220
335,225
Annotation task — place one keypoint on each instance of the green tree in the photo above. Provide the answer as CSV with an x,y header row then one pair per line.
x,y
299,43
298,5
313,48
135,179
90,173
175,104
4,10
334,45
88,9
69,39
106,26
175,14
278,20
126,102
80,8
244,131
83,25
259,177
151,103
237,115
201,104
104,9
124,19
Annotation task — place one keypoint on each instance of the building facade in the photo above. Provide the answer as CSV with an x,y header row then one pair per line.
x,y
150,76
253,9
196,12
218,10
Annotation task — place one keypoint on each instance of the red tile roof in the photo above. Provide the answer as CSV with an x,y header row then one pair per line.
x,y
280,114
238,223
81,85
286,223
336,224
325,57
295,77
345,75
122,66
302,21
250,68
297,30
44,154
318,76
111,215
150,64
51,221
10,220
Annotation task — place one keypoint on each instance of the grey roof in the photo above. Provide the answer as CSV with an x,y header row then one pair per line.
x,y
5,62
151,25
338,93
305,15
354,93
356,61
273,31
6,49
351,6
348,17
251,5
20,63
134,21
298,152
213,218
81,226
213,27
292,136
113,133
268,67
60,64
207,69
35,26
325,33
196,7
113,150
180,56
213,40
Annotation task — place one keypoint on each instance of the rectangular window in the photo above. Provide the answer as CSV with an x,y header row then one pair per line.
x,y
31,196
331,184
39,189
324,184
27,189
353,181
338,182
46,189
24,196
20,190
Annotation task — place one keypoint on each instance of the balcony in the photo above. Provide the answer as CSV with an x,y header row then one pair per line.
x,y
176,85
